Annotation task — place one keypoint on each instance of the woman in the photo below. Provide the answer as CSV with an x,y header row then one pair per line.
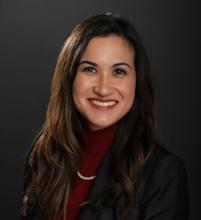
x,y
97,156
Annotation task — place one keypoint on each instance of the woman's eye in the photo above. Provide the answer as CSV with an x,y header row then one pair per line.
x,y
89,69
120,72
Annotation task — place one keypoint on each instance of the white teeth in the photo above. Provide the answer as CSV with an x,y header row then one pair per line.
x,y
103,103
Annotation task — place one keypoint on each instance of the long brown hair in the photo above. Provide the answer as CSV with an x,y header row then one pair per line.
x,y
56,150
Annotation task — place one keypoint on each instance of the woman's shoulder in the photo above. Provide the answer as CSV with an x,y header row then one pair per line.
x,y
163,184
159,155
162,161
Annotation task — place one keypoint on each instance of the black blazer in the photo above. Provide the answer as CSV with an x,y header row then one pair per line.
x,y
162,191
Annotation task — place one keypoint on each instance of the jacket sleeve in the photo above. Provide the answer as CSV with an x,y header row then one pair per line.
x,y
28,206
165,196
26,180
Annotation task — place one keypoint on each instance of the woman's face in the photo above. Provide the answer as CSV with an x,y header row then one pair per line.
x,y
104,86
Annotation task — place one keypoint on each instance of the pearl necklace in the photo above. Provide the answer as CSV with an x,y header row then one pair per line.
x,y
85,177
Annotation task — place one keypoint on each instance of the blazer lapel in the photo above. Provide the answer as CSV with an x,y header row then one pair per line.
x,y
102,176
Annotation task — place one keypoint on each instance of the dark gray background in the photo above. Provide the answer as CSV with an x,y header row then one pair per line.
x,y
31,35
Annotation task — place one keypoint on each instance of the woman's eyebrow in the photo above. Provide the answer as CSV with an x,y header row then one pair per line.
x,y
88,62
120,64
114,65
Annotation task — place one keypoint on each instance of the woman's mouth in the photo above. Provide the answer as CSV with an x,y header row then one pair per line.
x,y
103,104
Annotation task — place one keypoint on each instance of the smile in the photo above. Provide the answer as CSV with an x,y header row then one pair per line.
x,y
103,104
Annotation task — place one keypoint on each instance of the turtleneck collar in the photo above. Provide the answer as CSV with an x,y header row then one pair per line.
x,y
98,141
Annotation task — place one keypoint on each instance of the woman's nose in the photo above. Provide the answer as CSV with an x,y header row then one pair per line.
x,y
103,86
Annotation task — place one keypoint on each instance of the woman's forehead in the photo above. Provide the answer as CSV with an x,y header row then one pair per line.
x,y
108,48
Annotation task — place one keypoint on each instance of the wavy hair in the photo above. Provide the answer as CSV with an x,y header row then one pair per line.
x,y
56,150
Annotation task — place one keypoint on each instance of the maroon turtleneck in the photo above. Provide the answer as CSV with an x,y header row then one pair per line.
x,y
97,143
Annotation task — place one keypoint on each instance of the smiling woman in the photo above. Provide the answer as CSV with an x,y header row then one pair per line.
x,y
97,156
104,85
